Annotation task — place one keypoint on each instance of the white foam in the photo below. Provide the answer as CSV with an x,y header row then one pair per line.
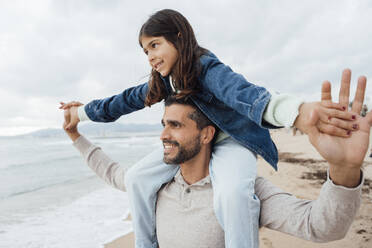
x,y
89,221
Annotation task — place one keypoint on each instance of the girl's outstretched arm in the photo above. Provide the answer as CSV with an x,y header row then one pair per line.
x,y
108,109
254,101
111,108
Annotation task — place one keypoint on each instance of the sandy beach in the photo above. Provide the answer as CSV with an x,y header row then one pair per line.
x,y
302,172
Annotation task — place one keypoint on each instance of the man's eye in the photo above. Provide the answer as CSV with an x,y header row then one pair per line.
x,y
174,125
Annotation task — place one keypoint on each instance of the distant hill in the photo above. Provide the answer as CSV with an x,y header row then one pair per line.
x,y
99,129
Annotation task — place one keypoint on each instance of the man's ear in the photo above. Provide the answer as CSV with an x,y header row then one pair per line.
x,y
207,134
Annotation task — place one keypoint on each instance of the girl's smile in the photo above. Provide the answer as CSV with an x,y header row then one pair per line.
x,y
162,55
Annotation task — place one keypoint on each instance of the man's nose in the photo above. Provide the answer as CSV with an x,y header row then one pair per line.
x,y
165,134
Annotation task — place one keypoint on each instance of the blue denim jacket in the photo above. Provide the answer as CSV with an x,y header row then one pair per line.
x,y
227,98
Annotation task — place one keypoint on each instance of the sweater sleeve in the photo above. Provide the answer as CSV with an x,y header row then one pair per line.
x,y
111,172
282,110
325,219
82,114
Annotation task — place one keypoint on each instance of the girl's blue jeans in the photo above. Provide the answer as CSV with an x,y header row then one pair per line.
x,y
233,172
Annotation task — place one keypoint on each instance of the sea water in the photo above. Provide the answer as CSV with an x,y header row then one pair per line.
x,y
50,198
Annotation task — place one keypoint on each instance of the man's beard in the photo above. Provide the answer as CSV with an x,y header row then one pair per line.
x,y
184,154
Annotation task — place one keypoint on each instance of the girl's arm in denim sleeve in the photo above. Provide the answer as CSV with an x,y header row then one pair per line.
x,y
111,108
233,89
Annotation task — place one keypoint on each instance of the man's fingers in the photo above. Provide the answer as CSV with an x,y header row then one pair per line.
x,y
345,88
67,115
64,125
369,118
326,92
333,130
359,95
313,132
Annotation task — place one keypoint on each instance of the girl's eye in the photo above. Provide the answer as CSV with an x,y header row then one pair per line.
x,y
154,45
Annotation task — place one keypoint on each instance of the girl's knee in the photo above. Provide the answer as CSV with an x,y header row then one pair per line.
x,y
135,176
129,178
237,191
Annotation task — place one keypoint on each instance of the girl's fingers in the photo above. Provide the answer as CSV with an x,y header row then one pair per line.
x,y
338,119
346,125
333,130
345,88
70,104
62,104
359,95
333,105
327,114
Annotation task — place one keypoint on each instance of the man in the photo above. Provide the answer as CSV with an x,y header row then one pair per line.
x,y
184,211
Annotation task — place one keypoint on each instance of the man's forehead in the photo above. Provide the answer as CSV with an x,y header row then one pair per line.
x,y
178,112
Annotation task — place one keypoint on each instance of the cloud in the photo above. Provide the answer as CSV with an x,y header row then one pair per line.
x,y
82,50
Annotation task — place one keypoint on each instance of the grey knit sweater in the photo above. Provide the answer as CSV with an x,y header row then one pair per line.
x,y
185,216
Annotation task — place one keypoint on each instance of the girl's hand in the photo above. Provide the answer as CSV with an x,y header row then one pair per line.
x,y
69,105
71,115
333,119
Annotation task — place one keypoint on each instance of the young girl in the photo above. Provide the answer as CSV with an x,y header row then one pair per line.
x,y
241,110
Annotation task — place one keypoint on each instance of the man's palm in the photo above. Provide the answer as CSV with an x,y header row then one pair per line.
x,y
349,151
344,151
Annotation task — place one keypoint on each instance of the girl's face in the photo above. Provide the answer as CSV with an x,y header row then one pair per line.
x,y
162,55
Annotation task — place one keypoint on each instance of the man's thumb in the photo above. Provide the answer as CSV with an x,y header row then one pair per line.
x,y
313,131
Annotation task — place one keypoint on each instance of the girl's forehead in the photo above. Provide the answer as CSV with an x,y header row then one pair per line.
x,y
146,40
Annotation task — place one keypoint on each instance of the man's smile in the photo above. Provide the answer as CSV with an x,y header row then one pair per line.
x,y
169,145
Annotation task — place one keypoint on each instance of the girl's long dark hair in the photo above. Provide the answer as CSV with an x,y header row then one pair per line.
x,y
175,28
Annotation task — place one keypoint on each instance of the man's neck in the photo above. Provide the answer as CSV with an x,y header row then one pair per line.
x,y
196,168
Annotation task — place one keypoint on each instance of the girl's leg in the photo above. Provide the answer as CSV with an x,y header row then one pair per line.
x,y
233,174
143,182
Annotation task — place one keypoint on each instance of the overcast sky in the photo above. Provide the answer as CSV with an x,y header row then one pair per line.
x,y
53,51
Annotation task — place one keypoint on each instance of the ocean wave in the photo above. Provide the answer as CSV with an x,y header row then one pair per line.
x,y
42,162
35,189
86,222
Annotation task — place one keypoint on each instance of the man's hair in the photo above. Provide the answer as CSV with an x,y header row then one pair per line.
x,y
201,120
